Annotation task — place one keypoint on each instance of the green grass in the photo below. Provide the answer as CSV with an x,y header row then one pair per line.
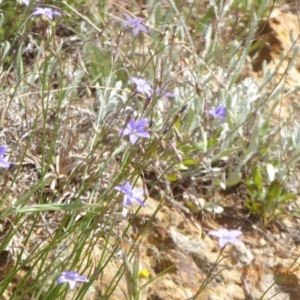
x,y
65,96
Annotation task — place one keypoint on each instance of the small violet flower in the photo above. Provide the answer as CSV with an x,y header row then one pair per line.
x,y
26,2
46,12
71,278
133,24
142,86
163,94
219,112
3,162
226,236
135,130
130,195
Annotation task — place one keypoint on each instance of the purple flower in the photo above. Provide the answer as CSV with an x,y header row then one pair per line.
x,y
46,12
135,130
163,94
219,112
142,86
71,278
26,2
3,162
226,236
130,195
133,24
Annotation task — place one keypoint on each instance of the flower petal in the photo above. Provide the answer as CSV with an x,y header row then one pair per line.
x,y
133,138
135,80
234,233
72,284
222,242
4,163
141,123
235,241
139,201
135,31
119,188
148,92
127,201
81,278
143,134
215,233
61,279
137,192
137,21
128,17
142,28
2,150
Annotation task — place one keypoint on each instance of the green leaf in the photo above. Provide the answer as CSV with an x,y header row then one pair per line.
x,y
158,14
287,197
181,167
19,64
189,162
273,194
177,125
5,49
225,153
192,120
274,190
172,177
234,178
257,180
